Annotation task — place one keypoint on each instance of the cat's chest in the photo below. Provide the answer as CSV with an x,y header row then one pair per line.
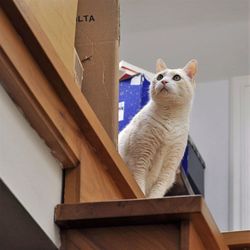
x,y
167,133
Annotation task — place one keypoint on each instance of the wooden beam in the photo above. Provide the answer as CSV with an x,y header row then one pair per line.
x,y
91,181
210,234
143,211
124,212
26,84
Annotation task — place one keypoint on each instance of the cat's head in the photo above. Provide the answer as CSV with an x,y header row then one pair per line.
x,y
173,86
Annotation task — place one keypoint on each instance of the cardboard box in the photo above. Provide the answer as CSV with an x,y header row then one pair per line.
x,y
97,44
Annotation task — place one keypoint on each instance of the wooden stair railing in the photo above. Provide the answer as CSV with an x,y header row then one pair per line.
x,y
39,82
182,222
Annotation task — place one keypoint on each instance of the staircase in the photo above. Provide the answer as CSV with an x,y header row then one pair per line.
x,y
182,222
102,206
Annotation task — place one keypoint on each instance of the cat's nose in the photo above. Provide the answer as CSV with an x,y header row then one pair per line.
x,y
164,82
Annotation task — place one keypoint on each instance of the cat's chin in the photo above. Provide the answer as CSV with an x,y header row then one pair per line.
x,y
164,91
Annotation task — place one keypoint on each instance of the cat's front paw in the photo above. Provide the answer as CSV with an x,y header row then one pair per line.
x,y
154,195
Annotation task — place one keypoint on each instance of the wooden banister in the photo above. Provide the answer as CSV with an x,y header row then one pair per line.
x,y
30,89
41,85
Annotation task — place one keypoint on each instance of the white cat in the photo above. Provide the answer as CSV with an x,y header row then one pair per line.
x,y
153,143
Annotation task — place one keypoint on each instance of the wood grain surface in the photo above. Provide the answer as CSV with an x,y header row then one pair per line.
x,y
147,237
29,88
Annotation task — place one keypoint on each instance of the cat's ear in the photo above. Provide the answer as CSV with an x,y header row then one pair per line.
x,y
160,65
191,68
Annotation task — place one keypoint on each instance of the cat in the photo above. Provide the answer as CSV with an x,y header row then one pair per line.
x,y
153,143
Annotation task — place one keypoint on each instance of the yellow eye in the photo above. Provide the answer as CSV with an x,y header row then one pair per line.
x,y
176,78
159,77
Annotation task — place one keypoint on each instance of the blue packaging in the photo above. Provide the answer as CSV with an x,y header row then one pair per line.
x,y
133,95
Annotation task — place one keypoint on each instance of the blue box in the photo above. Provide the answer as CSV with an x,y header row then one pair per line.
x,y
133,95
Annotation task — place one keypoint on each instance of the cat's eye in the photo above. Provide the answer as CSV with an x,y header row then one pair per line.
x,y
159,77
176,77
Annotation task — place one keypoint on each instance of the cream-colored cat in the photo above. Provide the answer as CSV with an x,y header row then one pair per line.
x,y
153,143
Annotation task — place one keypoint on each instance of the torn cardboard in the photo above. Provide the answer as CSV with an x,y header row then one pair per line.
x,y
97,44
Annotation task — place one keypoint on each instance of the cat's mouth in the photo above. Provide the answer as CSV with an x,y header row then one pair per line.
x,y
164,89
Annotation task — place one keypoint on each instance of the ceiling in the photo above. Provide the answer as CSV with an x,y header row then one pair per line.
x,y
214,32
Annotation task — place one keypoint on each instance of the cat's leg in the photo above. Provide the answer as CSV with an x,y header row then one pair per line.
x,y
141,167
167,174
164,182
140,177
140,171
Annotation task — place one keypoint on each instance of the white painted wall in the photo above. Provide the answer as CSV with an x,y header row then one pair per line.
x,y
28,168
214,32
239,174
248,65
210,132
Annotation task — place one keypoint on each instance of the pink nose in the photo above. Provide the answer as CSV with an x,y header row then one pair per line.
x,y
164,82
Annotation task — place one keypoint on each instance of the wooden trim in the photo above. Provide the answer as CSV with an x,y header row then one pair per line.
x,y
185,235
60,107
237,238
143,211
126,211
195,241
204,222
238,170
91,182
190,239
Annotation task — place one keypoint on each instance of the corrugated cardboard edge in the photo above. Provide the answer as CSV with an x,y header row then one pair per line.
x,y
78,69
119,22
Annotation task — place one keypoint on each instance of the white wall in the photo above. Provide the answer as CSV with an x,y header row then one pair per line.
x,y
248,65
216,34
210,132
28,168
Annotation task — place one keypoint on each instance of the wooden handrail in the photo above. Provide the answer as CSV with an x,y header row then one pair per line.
x,y
27,85
60,107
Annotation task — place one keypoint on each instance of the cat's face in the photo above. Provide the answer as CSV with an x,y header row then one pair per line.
x,y
173,86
